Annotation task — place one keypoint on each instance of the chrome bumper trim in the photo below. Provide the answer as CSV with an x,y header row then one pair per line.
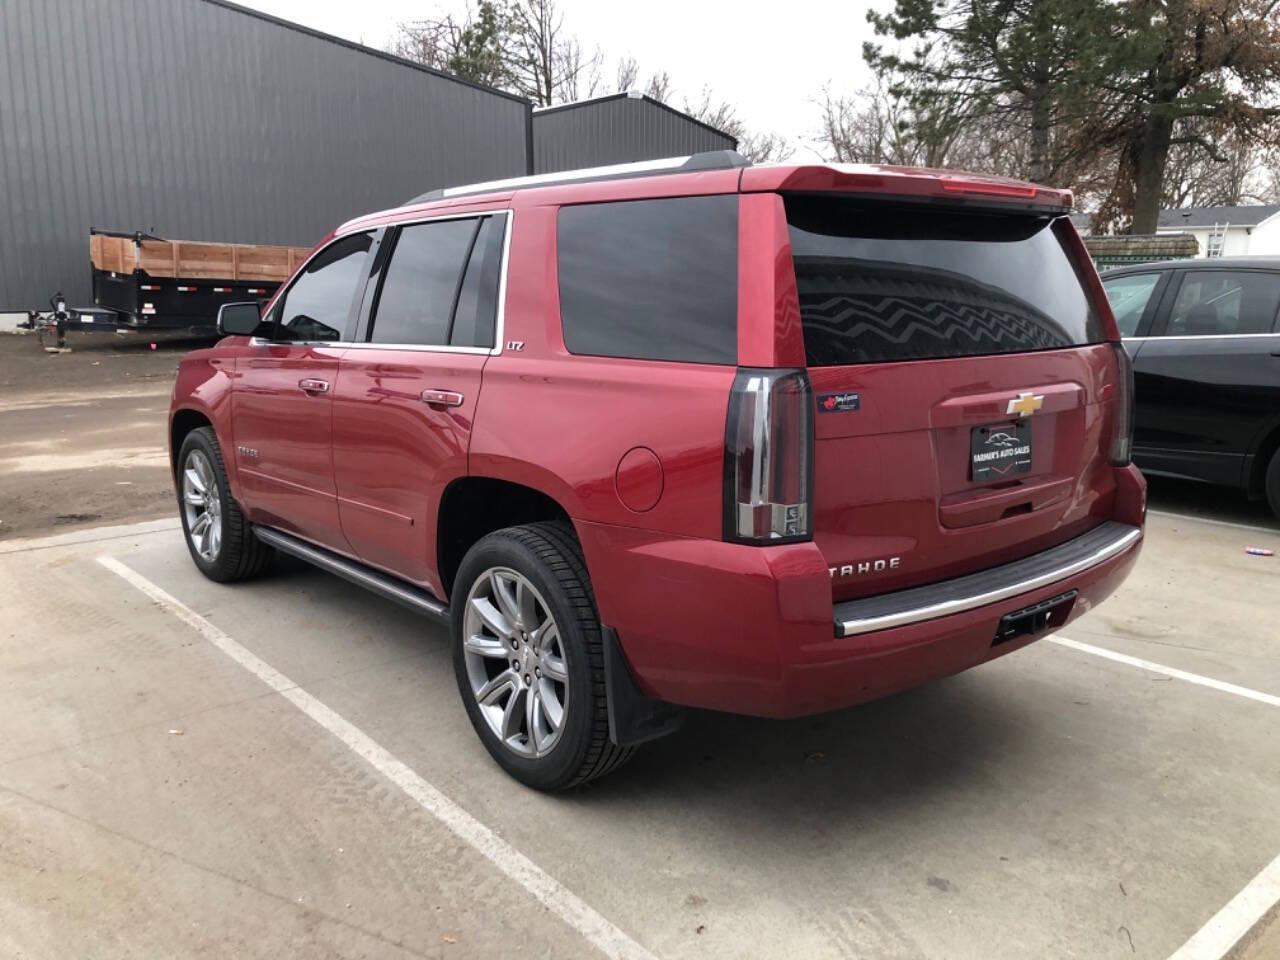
x,y
934,600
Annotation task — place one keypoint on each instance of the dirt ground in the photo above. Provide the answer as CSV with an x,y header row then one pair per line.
x,y
82,434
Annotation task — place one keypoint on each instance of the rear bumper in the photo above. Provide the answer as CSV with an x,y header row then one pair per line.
x,y
1010,580
753,630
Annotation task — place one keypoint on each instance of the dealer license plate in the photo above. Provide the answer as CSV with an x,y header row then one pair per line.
x,y
999,451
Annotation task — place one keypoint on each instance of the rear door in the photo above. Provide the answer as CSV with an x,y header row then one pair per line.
x,y
1207,379
961,375
282,405
407,389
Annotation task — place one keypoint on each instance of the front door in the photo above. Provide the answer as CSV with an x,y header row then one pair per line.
x,y
1206,379
406,394
282,401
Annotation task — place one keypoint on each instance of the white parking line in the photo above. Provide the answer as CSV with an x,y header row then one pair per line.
x,y
1216,523
548,891
1216,938
1228,925
1221,685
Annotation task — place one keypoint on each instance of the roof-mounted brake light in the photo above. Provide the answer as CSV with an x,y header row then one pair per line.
x,y
990,189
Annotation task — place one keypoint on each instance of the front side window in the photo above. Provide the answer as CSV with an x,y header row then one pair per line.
x,y
318,304
1129,297
651,279
423,283
1214,303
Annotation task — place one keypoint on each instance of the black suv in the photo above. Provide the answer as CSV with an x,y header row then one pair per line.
x,y
1204,336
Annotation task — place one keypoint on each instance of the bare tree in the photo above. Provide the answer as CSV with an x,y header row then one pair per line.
x,y
880,125
659,87
1240,173
472,48
433,43
764,147
579,73
721,114
626,76
546,62
524,46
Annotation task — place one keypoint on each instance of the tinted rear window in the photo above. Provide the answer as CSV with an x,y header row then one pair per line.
x,y
419,290
652,279
880,282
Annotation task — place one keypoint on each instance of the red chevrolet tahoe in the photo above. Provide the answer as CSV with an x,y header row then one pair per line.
x,y
694,433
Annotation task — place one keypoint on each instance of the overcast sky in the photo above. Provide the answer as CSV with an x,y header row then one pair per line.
x,y
770,62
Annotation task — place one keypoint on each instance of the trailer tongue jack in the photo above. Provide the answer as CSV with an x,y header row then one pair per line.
x,y
53,322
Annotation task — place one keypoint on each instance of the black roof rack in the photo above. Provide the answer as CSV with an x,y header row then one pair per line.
x,y
708,160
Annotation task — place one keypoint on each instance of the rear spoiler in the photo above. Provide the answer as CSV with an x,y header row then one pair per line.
x,y
917,183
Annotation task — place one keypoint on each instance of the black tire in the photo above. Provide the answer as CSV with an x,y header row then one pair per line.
x,y
549,557
1273,484
240,554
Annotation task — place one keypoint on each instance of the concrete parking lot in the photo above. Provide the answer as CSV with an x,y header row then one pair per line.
x,y
303,794
283,767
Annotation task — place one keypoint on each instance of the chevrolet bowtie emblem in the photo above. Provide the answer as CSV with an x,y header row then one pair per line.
x,y
1025,404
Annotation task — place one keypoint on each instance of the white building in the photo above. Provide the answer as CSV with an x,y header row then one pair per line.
x,y
1227,231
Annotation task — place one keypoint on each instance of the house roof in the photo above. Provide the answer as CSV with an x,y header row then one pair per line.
x,y
1209,216
1201,263
1143,245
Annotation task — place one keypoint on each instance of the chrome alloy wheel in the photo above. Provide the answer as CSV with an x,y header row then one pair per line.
x,y
202,506
515,661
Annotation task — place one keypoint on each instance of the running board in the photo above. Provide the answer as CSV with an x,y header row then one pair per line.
x,y
382,584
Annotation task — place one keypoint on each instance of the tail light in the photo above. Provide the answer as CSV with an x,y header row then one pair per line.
x,y
1122,441
768,458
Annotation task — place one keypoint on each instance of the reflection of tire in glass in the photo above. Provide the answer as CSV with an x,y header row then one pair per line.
x,y
1273,484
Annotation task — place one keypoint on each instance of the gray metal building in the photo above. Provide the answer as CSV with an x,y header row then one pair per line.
x,y
205,120
201,120
617,129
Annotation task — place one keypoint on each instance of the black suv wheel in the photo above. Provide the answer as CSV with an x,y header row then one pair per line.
x,y
217,533
528,656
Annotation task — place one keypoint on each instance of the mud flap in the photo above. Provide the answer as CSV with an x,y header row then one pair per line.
x,y
633,717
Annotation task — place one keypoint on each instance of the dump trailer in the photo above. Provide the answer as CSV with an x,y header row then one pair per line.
x,y
151,282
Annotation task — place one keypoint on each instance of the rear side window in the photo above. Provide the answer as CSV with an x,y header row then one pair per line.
x,y
477,311
880,282
651,279
1129,297
421,282
1218,303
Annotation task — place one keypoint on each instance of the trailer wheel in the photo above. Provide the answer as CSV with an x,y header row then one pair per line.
x,y
219,537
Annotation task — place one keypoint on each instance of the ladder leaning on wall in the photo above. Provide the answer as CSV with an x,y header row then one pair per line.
x,y
1217,240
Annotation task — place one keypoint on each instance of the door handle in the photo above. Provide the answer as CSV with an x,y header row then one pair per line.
x,y
308,385
442,398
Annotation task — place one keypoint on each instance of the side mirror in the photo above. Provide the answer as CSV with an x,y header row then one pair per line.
x,y
239,319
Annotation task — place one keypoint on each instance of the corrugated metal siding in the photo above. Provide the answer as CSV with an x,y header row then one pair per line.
x,y
200,122
617,130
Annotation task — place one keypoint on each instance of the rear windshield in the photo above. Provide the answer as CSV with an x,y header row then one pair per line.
x,y
882,282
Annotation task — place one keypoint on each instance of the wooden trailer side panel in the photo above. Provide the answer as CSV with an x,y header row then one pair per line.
x,y
113,254
195,260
